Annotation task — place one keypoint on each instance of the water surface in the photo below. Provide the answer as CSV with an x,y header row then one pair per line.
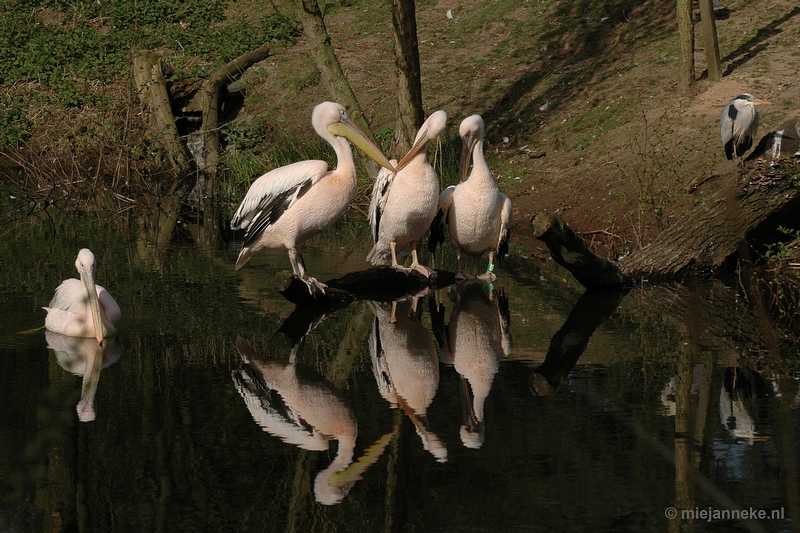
x,y
546,409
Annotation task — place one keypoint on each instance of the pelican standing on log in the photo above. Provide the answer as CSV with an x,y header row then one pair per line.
x,y
477,214
404,203
288,205
738,124
81,308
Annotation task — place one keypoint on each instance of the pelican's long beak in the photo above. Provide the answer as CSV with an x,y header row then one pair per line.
x,y
467,145
88,281
422,143
345,128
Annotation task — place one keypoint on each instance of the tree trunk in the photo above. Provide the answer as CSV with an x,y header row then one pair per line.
x,y
331,71
410,114
733,218
710,39
210,97
157,111
686,37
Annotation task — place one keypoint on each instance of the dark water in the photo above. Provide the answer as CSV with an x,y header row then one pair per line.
x,y
546,409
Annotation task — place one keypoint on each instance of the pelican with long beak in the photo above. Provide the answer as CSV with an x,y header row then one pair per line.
x,y
288,205
82,308
477,214
404,203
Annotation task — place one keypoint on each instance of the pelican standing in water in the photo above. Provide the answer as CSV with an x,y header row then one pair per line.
x,y
288,205
81,308
477,214
738,124
404,203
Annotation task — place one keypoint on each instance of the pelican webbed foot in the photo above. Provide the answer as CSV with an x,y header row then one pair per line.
x,y
315,287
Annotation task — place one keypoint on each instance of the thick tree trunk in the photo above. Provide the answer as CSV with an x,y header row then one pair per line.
x,y
710,40
686,38
210,98
410,114
331,71
733,218
157,111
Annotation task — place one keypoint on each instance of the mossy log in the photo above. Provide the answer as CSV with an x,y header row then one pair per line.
x,y
736,217
211,91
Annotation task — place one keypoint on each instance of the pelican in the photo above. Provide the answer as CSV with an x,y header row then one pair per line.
x,y
780,144
81,308
475,340
288,205
404,203
405,366
738,124
294,402
477,214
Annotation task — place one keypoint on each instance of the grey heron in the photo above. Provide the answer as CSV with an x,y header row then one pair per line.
x,y
738,124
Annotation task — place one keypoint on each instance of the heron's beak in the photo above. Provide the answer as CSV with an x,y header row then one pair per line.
x,y
345,128
353,473
467,146
88,281
762,102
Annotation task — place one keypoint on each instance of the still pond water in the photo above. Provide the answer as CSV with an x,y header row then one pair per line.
x,y
522,406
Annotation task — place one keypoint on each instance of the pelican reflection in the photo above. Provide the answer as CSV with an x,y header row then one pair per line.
x,y
405,365
477,337
84,356
293,402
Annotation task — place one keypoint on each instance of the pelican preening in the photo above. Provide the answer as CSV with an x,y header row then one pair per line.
x,y
288,205
477,214
404,203
82,308
738,124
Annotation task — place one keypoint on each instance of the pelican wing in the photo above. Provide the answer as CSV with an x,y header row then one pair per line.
x,y
380,192
70,296
505,228
276,191
438,227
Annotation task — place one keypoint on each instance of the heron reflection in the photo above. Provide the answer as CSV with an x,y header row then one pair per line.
x,y
84,356
477,337
405,365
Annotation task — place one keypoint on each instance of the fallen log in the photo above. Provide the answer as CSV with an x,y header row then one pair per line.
x,y
737,216
381,284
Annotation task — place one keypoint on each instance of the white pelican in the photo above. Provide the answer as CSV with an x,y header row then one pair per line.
x,y
307,411
406,367
477,214
738,124
404,203
81,308
288,205
475,340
